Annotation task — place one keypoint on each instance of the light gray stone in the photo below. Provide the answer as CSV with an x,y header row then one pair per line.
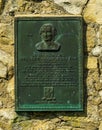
x,y
72,6
97,51
8,114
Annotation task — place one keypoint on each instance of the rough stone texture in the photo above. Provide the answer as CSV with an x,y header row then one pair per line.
x,y
64,128
6,58
100,127
6,34
100,36
8,114
78,129
92,12
90,37
100,67
3,70
72,6
0,6
91,118
10,88
97,51
91,62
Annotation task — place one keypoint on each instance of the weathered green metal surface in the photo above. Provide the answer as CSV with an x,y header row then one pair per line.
x,y
49,64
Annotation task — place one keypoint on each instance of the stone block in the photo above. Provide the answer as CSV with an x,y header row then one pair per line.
x,y
92,12
3,70
100,67
6,58
100,35
98,86
90,37
97,51
100,113
72,6
6,34
1,2
8,114
65,128
10,88
91,63
100,93
78,129
100,127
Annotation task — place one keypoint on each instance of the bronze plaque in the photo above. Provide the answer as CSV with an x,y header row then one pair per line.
x,y
49,63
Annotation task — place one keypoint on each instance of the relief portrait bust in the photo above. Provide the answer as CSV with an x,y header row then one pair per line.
x,y
48,43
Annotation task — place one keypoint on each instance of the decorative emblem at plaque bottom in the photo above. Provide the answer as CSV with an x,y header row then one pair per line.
x,y
49,94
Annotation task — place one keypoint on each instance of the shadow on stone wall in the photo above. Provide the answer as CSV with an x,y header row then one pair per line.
x,y
3,2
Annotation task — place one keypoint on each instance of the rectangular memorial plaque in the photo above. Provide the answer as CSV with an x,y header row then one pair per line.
x,y
49,63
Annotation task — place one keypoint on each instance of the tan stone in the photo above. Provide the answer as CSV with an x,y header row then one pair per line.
x,y
90,128
91,63
78,129
100,127
1,104
98,86
55,120
100,93
72,6
5,124
45,3
92,113
89,13
8,114
6,34
20,2
90,37
90,125
43,125
6,58
10,87
64,128
1,5
3,70
100,35
96,101
92,12
100,113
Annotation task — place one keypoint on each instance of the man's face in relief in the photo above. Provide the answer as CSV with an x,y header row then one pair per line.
x,y
47,33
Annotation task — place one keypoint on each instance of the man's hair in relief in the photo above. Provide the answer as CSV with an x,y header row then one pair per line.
x,y
48,27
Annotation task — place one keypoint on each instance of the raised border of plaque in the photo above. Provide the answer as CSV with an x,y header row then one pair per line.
x,y
48,63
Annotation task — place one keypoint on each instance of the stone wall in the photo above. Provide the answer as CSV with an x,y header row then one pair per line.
x,y
91,118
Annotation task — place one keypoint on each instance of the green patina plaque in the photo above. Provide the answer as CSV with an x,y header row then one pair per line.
x,y
49,63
